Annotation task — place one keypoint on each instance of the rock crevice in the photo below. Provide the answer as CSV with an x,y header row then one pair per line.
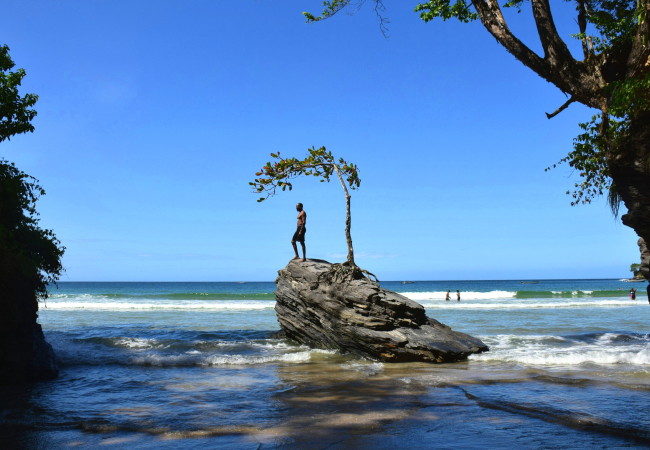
x,y
362,318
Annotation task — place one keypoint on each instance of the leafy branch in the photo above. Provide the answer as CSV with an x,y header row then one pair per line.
x,y
320,163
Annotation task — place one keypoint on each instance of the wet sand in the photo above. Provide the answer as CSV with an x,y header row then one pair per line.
x,y
398,406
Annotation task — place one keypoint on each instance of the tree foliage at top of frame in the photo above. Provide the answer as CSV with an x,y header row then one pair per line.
x,y
16,111
607,29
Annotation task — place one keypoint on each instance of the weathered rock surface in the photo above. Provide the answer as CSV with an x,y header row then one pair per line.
x,y
645,258
361,318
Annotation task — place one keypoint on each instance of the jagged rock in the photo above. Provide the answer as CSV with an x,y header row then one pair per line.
x,y
360,317
645,258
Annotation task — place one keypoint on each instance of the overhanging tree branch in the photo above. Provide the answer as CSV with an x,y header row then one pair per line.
x,y
492,19
559,68
561,108
555,50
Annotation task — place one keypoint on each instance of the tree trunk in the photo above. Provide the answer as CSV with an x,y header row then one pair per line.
x,y
630,171
348,235
348,217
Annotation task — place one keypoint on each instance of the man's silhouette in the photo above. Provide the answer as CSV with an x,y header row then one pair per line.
x,y
299,235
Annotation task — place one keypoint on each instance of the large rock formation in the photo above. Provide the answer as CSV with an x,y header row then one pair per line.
x,y
645,259
360,317
25,356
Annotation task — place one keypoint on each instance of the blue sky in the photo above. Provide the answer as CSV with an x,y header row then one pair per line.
x,y
154,116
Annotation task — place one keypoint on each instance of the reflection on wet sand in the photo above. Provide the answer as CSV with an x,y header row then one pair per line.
x,y
336,402
328,403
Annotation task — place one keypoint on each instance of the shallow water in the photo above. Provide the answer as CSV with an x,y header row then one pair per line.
x,y
148,364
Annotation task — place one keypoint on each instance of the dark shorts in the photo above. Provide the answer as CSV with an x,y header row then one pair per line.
x,y
297,237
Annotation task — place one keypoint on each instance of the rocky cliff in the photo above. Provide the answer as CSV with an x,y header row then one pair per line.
x,y
25,356
645,259
360,317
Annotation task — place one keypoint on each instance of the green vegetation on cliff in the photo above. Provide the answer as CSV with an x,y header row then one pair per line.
x,y
30,257
636,271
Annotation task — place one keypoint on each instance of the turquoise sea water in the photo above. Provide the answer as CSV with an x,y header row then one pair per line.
x,y
189,365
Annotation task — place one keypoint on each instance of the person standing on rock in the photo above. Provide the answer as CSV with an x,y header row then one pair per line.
x,y
299,235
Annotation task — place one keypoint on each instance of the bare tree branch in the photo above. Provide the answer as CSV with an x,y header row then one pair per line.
x,y
559,68
555,50
561,108
582,26
492,18
383,20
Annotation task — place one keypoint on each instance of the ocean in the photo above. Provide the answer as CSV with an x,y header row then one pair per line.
x,y
193,365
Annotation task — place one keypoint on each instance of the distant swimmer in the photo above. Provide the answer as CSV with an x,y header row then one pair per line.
x,y
457,295
447,296
299,235
632,294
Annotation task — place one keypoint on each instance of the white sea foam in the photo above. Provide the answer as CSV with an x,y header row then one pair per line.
x,y
136,343
78,303
465,295
431,300
56,297
364,367
560,351
527,304
573,293
192,359
577,357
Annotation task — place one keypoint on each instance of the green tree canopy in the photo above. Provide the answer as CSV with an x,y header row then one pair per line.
x,y
30,257
16,112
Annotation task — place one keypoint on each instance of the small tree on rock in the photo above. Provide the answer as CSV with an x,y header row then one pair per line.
x,y
322,164
636,271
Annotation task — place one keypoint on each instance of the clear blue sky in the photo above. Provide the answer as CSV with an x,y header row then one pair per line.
x,y
154,116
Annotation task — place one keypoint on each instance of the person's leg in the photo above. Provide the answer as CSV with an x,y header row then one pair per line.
x,y
304,253
295,250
